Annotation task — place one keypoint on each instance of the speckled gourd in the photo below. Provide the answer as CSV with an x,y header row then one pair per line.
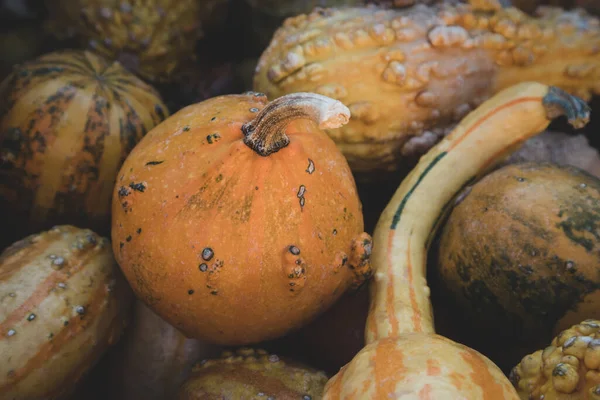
x,y
63,303
237,219
252,374
569,368
148,37
408,75
68,119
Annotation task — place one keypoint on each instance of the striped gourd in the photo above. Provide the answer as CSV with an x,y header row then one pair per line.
x,y
63,302
403,356
67,121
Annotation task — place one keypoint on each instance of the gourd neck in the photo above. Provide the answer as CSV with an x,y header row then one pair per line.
x,y
399,293
265,134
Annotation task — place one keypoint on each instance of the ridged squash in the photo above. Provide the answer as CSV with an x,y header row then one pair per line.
x,y
68,119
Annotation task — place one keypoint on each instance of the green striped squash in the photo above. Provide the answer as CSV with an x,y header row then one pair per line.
x,y
63,303
67,121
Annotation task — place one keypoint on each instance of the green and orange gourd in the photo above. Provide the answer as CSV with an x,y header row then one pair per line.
x,y
518,256
68,119
237,219
404,355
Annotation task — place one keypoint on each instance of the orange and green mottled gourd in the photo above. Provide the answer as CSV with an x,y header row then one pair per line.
x,y
520,257
252,374
149,37
409,75
238,220
67,121
63,303
568,369
404,357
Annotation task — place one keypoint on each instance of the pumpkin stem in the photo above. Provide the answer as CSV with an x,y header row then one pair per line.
x,y
265,134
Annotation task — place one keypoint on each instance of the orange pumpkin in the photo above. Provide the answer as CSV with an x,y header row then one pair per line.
x,y
237,220
404,355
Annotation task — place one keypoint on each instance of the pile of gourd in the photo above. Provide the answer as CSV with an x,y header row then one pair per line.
x,y
259,199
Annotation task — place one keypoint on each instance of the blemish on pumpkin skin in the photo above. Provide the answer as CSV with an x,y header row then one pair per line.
x,y
207,254
311,167
191,292
123,191
294,269
300,195
139,187
212,138
128,238
154,162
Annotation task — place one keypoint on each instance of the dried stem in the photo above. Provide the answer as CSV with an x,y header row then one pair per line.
x,y
266,133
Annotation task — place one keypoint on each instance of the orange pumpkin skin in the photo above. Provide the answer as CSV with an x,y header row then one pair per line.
x,y
67,121
231,246
392,367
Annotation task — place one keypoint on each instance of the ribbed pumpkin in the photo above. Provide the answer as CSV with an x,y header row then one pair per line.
x,y
404,357
63,302
520,255
148,37
237,219
252,374
67,121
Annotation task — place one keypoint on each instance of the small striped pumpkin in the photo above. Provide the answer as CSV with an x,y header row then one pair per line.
x,y
67,121
63,302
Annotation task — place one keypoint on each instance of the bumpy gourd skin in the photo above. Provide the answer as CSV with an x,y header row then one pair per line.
x,y
567,369
407,75
252,374
148,37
